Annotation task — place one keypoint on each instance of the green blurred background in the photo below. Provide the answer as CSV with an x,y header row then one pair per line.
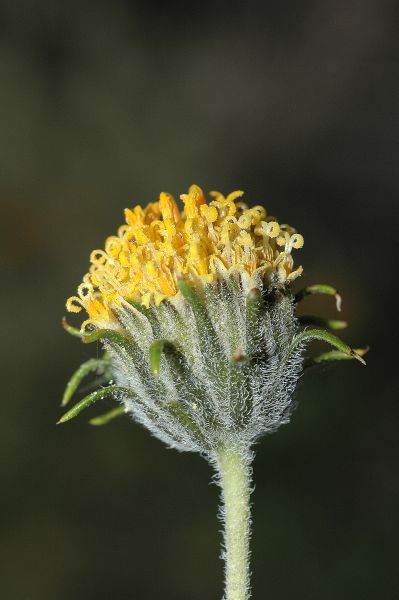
x,y
104,104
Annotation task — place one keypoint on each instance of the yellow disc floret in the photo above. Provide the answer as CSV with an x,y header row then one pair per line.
x,y
160,244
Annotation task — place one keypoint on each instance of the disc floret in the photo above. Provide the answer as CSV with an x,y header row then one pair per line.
x,y
160,244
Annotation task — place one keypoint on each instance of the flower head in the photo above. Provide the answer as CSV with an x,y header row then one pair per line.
x,y
160,244
195,311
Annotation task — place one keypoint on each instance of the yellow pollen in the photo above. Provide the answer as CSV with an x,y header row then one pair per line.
x,y
160,244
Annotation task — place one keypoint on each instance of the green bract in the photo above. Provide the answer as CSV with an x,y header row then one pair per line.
x,y
211,368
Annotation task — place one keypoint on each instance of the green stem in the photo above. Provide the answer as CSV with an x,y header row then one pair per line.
x,y
234,470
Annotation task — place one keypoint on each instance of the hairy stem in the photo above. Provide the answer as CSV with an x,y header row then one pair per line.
x,y
234,470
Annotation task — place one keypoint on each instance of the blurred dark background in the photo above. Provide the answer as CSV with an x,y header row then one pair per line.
x,y
104,104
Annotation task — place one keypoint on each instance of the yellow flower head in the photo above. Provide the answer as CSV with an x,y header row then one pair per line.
x,y
160,244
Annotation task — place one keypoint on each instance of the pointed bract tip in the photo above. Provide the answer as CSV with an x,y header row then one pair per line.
x,y
254,293
338,301
358,357
335,324
70,329
239,356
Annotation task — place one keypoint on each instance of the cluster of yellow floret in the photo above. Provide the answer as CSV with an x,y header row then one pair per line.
x,y
160,244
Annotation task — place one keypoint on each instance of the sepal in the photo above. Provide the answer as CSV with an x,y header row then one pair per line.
x,y
110,335
70,329
334,355
155,352
333,324
112,390
329,338
100,365
320,288
110,415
